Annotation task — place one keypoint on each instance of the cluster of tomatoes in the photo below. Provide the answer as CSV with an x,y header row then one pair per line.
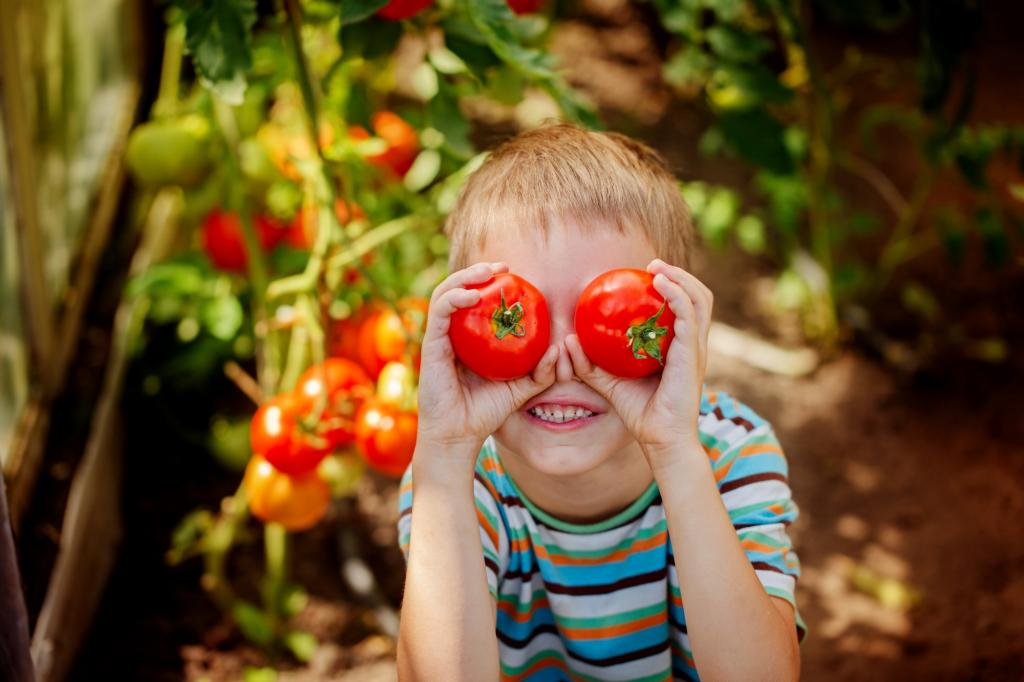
x,y
623,324
363,396
396,10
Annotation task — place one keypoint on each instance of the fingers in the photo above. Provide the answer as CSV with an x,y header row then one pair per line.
x,y
598,379
478,273
543,375
699,293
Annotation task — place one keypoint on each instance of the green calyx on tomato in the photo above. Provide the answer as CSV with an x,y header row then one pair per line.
x,y
496,341
623,323
644,339
507,320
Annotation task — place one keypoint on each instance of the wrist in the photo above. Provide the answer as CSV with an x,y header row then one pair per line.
x,y
681,453
444,461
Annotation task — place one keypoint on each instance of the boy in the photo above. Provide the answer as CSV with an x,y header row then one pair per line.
x,y
549,544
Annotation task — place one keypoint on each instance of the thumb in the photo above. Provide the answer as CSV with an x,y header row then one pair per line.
x,y
543,375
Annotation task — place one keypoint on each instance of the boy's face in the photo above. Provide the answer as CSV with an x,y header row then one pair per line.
x,y
561,265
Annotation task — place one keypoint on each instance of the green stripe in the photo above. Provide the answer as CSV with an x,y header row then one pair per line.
x,y
549,654
520,607
600,553
758,506
613,619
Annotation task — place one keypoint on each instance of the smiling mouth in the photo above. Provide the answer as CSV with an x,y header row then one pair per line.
x,y
560,414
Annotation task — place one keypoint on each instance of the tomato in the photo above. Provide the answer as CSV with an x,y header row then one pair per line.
x,y
525,6
623,323
222,238
343,335
396,385
285,147
381,338
506,333
403,142
276,434
386,436
171,152
301,232
296,502
338,386
342,472
402,9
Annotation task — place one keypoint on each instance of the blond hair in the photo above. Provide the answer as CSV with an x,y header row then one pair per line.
x,y
562,170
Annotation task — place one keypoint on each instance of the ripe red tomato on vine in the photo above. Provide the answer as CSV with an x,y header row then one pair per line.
x,y
505,334
222,238
386,336
386,436
403,9
277,434
338,387
623,323
296,502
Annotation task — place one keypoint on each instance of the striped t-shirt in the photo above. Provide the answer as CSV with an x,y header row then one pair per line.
x,y
601,601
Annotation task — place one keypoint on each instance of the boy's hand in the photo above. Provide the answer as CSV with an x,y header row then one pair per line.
x,y
661,412
457,408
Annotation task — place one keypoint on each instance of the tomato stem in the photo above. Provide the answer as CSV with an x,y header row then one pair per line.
x,y
645,339
507,320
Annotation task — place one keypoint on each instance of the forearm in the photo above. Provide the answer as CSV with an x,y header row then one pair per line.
x,y
735,631
448,621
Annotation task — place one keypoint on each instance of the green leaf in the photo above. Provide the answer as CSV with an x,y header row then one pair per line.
x,y
354,11
259,675
687,69
423,80
172,278
756,136
253,623
222,316
750,234
742,86
218,37
188,534
736,44
443,113
423,170
787,198
369,39
229,442
494,20
446,61
718,216
302,644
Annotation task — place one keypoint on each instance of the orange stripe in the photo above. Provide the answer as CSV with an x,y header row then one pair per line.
x,y
540,665
748,451
751,544
511,612
405,488
486,525
617,630
523,544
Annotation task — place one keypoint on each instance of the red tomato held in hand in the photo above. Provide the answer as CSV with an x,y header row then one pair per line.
x,y
506,333
296,502
402,9
386,436
340,386
276,434
623,323
223,243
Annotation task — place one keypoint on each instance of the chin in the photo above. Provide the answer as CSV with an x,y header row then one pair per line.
x,y
567,453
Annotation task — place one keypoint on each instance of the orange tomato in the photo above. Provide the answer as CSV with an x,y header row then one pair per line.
x,y
381,338
403,142
296,502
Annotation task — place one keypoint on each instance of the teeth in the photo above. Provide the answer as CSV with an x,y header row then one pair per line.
x,y
560,414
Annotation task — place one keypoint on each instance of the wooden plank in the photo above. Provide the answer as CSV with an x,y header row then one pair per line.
x,y
91,530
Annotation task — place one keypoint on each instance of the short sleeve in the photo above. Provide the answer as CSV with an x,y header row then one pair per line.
x,y
493,535
753,480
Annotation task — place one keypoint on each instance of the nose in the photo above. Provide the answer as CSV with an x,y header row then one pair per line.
x,y
562,326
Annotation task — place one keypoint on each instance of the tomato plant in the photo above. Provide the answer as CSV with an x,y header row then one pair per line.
x,y
396,385
386,436
222,238
506,332
296,502
301,231
623,323
403,9
169,151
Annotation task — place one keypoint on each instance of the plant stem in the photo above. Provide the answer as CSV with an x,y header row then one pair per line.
x,y
170,71
275,547
218,544
267,352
